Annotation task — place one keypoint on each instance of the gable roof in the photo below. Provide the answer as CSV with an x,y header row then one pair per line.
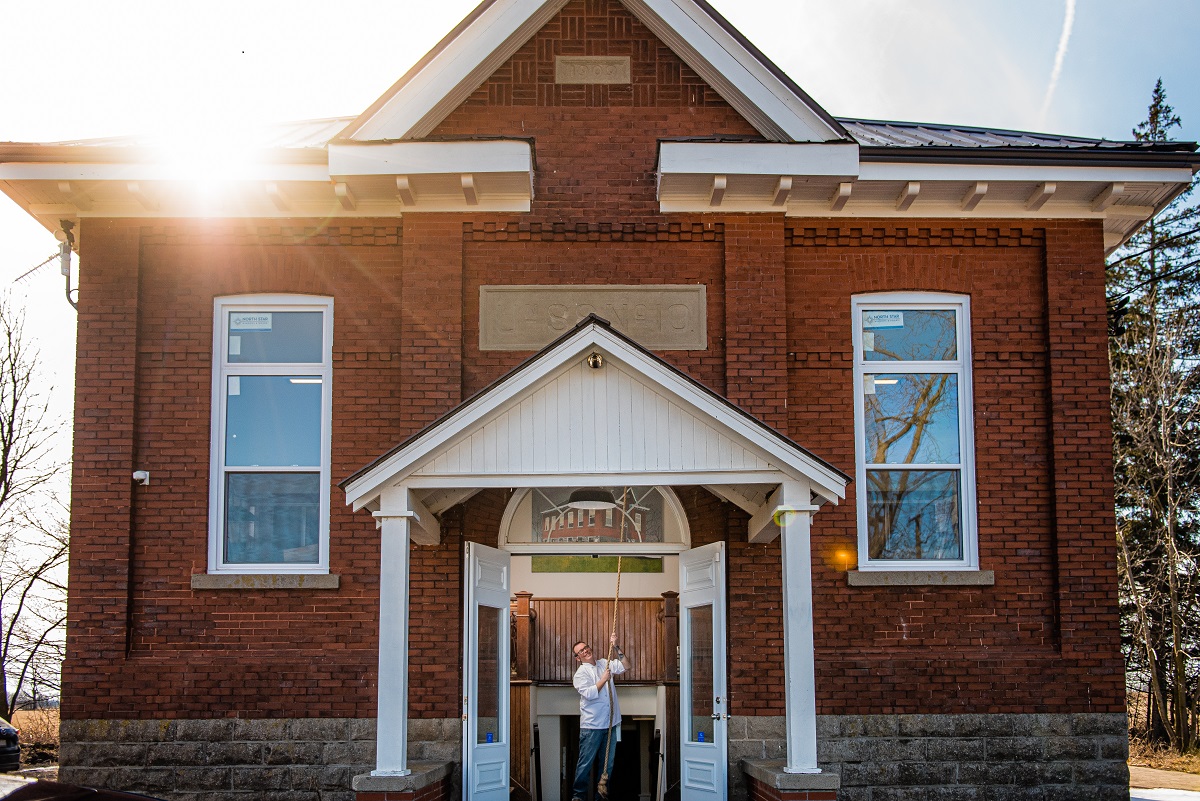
x,y
694,30
555,419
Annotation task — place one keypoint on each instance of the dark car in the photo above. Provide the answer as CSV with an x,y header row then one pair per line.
x,y
10,746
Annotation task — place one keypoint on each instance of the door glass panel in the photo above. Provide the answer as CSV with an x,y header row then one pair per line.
x,y
700,659
487,693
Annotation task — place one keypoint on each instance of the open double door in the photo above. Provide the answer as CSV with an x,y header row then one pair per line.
x,y
703,714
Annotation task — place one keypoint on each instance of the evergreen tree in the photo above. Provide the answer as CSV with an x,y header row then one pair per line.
x,y
1154,297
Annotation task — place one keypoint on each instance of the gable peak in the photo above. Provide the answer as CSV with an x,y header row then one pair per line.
x,y
442,80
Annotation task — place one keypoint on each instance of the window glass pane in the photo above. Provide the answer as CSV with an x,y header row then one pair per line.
x,y
273,421
909,335
914,514
911,418
489,676
700,663
272,517
274,336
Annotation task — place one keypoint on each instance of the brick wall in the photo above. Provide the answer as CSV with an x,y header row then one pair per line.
x,y
144,643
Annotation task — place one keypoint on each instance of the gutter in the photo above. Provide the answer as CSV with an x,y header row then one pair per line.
x,y
1035,156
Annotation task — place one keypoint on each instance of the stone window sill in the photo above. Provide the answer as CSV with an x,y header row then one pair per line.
x,y
264,581
920,578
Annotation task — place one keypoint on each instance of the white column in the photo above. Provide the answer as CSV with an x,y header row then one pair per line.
x,y
391,737
794,517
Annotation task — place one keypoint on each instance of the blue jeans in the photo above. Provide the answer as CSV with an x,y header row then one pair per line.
x,y
591,746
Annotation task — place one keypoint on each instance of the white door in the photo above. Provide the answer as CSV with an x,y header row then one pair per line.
x,y
486,649
704,705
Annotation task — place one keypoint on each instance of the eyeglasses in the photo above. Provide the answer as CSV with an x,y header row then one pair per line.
x,y
587,649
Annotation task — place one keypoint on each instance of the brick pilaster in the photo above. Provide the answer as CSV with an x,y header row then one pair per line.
x,y
101,483
1081,442
431,316
755,317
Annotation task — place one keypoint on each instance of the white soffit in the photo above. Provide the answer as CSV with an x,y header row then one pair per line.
x,y
420,101
559,422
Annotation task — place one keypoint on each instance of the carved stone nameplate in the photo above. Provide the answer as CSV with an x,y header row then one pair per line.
x,y
591,69
659,317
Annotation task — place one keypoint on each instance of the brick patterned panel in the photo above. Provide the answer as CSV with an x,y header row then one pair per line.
x,y
934,234
976,649
241,646
594,232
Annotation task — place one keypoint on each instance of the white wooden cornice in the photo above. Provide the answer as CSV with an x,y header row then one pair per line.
x,y
832,180
360,180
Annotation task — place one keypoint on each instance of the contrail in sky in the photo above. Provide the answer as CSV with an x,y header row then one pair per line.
x,y
1059,57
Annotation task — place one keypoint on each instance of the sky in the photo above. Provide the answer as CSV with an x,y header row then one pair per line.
x,y
201,71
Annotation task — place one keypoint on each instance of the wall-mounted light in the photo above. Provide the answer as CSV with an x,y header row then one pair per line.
x,y
141,477
595,360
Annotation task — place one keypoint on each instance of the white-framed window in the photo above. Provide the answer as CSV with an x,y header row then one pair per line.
x,y
270,475
914,438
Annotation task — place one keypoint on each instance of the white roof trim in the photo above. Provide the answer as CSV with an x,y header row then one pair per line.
x,y
754,91
404,465
416,105
430,158
746,158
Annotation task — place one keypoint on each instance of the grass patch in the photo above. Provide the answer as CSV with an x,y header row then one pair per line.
x,y
39,736
1145,754
597,564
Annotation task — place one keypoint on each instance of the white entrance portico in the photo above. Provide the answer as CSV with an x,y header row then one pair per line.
x,y
595,409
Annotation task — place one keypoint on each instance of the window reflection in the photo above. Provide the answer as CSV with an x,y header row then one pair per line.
x,y
273,421
272,518
911,418
909,335
700,663
489,677
914,514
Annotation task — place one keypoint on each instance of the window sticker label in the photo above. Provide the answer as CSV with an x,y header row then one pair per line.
x,y
868,340
243,322
235,346
868,385
235,385
883,319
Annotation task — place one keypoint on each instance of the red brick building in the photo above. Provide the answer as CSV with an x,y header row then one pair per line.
x,y
844,380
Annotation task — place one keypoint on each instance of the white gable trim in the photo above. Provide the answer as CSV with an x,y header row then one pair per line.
x,y
418,105
419,102
782,460
745,82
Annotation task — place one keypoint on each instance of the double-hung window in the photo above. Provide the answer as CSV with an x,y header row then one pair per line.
x,y
269,497
914,438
